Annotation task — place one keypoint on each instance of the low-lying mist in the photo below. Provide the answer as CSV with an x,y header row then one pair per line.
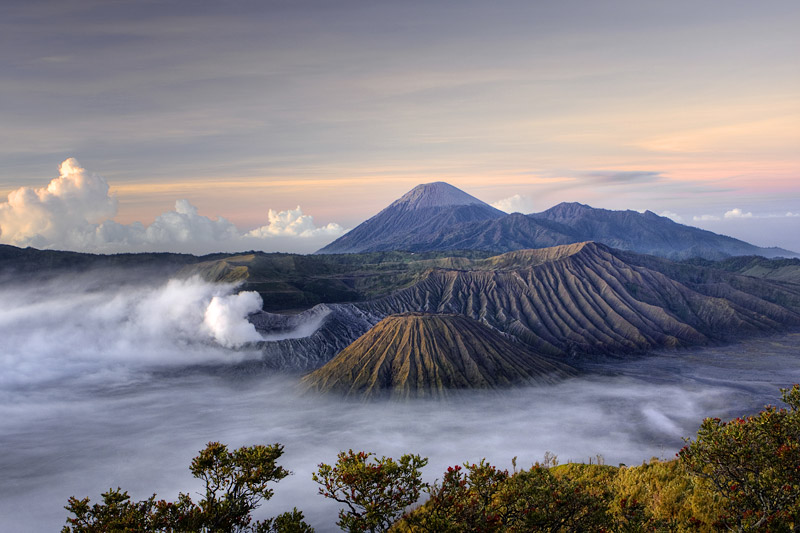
x,y
86,405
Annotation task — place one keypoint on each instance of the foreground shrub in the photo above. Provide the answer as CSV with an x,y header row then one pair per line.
x,y
479,497
235,484
754,464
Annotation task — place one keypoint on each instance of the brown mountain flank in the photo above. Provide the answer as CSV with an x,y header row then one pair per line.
x,y
584,299
428,355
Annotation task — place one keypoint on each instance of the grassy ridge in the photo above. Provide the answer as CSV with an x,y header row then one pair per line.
x,y
291,281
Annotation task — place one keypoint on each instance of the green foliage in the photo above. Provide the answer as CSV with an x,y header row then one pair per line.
x,y
662,496
540,500
235,484
289,522
291,281
479,497
116,513
754,463
375,491
462,501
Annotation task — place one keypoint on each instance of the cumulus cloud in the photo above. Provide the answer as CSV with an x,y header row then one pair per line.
x,y
704,218
737,213
76,210
65,211
787,214
293,223
515,204
184,224
674,216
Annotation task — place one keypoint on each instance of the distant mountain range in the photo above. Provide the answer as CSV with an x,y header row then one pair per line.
x,y
438,216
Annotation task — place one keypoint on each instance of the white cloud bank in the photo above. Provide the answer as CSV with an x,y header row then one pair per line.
x,y
515,204
737,214
295,224
704,218
75,212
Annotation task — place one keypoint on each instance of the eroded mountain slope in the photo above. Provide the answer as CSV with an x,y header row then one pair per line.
x,y
583,299
571,302
419,355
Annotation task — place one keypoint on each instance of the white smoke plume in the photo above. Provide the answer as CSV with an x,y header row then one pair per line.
x,y
65,330
75,212
226,318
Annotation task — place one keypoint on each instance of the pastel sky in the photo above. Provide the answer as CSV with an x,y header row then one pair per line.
x,y
295,120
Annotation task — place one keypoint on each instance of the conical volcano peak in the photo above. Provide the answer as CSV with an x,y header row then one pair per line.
x,y
436,194
422,355
406,223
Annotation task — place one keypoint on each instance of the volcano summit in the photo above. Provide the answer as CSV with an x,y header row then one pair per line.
x,y
440,217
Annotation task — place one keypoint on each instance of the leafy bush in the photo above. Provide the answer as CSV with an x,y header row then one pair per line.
x,y
754,464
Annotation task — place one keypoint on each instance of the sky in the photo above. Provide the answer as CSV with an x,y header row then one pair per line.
x,y
277,125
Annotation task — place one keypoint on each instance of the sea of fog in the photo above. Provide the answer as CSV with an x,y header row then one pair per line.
x,y
105,382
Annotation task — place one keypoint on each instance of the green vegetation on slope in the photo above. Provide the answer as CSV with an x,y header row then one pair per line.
x,y
755,266
291,281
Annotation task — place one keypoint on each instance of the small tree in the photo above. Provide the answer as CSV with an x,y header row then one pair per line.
x,y
754,462
235,484
375,491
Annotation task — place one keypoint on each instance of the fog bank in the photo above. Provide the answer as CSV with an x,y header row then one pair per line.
x,y
86,404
